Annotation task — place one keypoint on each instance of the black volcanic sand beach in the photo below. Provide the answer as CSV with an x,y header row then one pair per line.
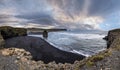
x,y
41,50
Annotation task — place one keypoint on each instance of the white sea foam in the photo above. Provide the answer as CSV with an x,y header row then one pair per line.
x,y
69,38
80,52
36,35
77,35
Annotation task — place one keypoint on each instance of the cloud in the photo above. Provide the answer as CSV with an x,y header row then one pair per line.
x,y
86,14
38,18
104,7
7,18
75,14
25,12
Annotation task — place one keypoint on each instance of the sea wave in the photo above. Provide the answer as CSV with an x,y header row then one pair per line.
x,y
85,44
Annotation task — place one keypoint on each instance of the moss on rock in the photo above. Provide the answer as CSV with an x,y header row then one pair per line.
x,y
8,32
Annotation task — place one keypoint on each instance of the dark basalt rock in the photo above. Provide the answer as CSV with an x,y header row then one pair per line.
x,y
2,42
112,35
105,38
41,50
9,32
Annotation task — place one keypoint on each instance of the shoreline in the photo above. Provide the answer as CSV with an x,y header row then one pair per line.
x,y
18,56
63,42
41,50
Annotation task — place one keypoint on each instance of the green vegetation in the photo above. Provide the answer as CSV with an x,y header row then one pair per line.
x,y
97,58
94,59
91,61
8,32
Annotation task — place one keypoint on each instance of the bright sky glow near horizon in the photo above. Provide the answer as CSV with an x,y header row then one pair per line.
x,y
71,14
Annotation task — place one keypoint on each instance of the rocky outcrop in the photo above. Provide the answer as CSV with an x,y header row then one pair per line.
x,y
9,32
25,49
108,59
2,42
28,51
41,50
14,59
19,59
112,35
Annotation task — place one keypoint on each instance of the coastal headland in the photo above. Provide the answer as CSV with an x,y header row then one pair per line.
x,y
21,52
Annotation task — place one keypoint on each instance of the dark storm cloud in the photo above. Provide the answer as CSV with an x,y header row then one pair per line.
x,y
6,19
83,14
96,7
38,18
69,7
103,7
73,7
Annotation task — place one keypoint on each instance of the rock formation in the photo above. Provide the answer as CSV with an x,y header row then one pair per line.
x,y
20,52
9,32
39,48
108,59
20,57
112,35
2,42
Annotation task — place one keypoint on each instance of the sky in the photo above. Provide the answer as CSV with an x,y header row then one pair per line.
x,y
70,14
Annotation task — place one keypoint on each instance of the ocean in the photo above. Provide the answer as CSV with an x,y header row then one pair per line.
x,y
85,43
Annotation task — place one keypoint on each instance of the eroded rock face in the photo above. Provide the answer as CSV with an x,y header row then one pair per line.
x,y
9,32
112,35
2,42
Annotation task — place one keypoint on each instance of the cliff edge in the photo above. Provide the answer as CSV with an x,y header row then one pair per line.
x,y
21,52
9,32
108,59
17,58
